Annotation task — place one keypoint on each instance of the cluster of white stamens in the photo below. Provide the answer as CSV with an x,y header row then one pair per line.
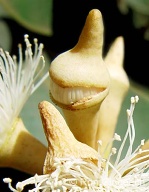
x,y
19,78
129,174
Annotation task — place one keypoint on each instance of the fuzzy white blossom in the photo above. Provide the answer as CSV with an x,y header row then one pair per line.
x,y
127,174
19,78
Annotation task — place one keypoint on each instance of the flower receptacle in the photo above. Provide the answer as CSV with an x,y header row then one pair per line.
x,y
22,151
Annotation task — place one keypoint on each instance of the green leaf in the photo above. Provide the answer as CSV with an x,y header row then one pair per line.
x,y
35,15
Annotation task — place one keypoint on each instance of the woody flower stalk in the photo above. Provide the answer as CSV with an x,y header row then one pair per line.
x,y
18,80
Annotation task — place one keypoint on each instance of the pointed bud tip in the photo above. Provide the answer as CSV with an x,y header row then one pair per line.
x,y
91,38
115,54
95,13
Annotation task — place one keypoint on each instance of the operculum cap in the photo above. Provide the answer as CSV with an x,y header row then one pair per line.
x,y
81,68
91,38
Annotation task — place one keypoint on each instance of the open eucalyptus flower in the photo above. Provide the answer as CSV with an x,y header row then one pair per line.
x,y
128,172
19,78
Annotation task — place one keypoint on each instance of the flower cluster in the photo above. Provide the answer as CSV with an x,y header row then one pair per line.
x,y
129,173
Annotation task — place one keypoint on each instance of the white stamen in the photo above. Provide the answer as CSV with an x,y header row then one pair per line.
x,y
18,80
117,137
114,150
142,142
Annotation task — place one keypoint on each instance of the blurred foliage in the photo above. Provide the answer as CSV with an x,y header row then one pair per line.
x,y
35,15
140,9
